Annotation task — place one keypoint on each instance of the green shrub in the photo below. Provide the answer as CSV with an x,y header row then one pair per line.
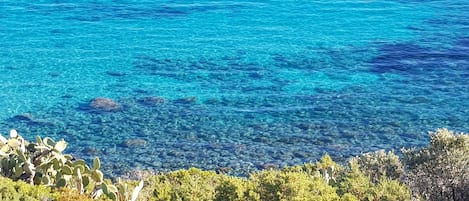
x,y
191,184
277,185
380,164
355,182
234,189
436,172
440,171
325,168
21,191
390,190
67,194
349,197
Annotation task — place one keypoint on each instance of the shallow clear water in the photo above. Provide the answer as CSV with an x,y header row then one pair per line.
x,y
275,82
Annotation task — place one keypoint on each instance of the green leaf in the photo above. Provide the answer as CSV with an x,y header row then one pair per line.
x,y
49,142
86,180
60,146
46,180
5,149
3,154
61,183
79,162
38,139
67,170
97,175
78,168
104,188
112,188
21,155
68,157
3,140
18,171
28,167
96,163
112,196
13,142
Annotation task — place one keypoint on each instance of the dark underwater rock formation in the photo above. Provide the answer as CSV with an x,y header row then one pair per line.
x,y
104,105
116,73
186,100
29,119
152,101
134,143
23,117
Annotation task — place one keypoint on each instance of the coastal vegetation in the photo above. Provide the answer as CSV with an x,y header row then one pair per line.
x,y
439,171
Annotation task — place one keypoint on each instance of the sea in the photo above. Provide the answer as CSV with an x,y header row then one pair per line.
x,y
232,86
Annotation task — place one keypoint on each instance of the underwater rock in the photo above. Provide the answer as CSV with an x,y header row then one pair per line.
x,y
54,74
186,100
104,104
90,151
212,101
116,73
30,120
307,126
134,143
140,91
67,96
23,117
152,101
416,100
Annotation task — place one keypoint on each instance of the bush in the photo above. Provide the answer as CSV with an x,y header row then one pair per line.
x,y
348,197
379,164
21,191
436,172
325,168
390,190
277,185
191,184
440,171
66,194
234,189
355,182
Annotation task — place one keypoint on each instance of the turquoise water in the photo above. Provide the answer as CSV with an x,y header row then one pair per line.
x,y
275,82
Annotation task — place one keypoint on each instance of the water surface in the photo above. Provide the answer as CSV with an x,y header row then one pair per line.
x,y
268,82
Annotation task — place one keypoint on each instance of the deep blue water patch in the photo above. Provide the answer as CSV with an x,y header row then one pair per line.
x,y
411,59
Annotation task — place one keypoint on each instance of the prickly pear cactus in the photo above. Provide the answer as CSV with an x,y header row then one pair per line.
x,y
42,162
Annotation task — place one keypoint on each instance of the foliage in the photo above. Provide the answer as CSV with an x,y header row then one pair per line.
x,y
380,164
348,197
67,194
388,189
191,184
354,184
21,191
436,172
440,171
325,168
277,185
43,163
234,189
